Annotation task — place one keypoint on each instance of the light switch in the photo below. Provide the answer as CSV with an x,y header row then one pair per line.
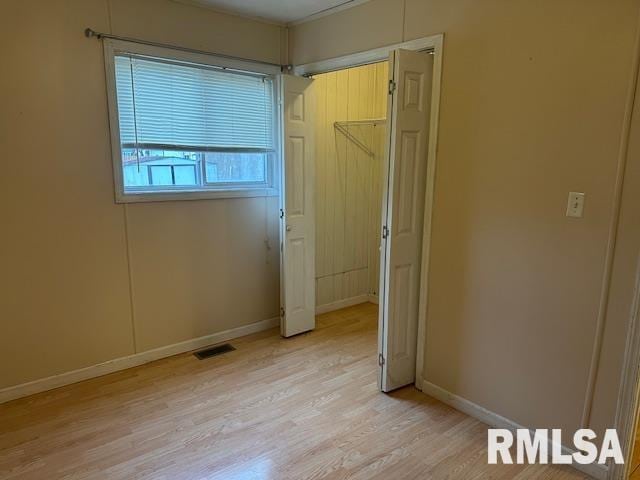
x,y
575,205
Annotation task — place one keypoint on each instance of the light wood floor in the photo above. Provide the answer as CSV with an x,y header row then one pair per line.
x,y
302,408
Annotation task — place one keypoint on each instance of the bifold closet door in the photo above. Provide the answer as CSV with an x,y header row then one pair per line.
x,y
297,207
409,106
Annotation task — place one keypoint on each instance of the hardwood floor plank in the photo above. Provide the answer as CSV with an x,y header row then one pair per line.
x,y
301,408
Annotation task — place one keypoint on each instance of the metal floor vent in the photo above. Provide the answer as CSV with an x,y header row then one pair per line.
x,y
213,351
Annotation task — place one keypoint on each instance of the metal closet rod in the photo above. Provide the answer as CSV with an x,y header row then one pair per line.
x,y
370,121
89,33
342,128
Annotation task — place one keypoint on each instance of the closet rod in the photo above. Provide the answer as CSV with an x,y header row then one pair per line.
x,y
342,129
371,121
89,33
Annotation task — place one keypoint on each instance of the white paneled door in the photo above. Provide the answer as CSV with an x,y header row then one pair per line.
x,y
409,106
298,217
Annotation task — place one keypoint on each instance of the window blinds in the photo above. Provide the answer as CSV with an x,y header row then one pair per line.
x,y
167,104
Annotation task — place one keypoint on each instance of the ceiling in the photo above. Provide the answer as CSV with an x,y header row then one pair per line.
x,y
279,11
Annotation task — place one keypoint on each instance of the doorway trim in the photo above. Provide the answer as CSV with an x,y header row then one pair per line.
x,y
433,44
628,400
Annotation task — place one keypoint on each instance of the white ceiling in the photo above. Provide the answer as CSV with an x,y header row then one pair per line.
x,y
279,11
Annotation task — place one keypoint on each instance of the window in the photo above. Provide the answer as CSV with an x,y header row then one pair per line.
x,y
184,127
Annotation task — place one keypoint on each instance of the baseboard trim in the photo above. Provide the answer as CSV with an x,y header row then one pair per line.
x,y
492,419
347,302
373,298
115,365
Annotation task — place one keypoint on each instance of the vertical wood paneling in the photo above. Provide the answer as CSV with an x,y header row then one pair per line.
x,y
338,239
320,85
348,189
378,105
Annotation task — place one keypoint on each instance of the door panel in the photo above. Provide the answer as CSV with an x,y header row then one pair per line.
x,y
298,228
405,183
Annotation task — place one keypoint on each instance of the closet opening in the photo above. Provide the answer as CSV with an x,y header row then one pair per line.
x,y
358,156
350,134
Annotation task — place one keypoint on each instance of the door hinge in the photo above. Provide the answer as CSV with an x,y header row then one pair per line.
x,y
380,360
385,232
282,311
392,87
281,213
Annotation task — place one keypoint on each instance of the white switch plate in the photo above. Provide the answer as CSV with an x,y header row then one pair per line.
x,y
575,204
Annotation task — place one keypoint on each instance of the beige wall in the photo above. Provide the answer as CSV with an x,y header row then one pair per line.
x,y
65,298
348,182
533,98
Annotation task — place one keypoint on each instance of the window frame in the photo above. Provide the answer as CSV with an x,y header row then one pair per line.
x,y
270,188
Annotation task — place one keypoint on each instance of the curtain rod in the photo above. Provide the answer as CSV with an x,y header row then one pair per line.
x,y
89,33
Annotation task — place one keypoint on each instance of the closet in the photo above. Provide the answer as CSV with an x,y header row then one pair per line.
x,y
350,132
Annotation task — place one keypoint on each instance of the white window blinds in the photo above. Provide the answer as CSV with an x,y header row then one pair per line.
x,y
192,107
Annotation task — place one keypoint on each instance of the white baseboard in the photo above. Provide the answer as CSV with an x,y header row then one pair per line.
x,y
373,298
110,366
347,302
492,419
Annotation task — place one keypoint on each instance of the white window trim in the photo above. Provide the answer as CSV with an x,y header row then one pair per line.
x,y
112,48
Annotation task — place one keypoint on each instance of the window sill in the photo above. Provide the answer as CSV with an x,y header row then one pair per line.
x,y
144,197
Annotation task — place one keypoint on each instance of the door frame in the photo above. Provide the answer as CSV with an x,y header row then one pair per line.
x,y
433,44
627,412
628,405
